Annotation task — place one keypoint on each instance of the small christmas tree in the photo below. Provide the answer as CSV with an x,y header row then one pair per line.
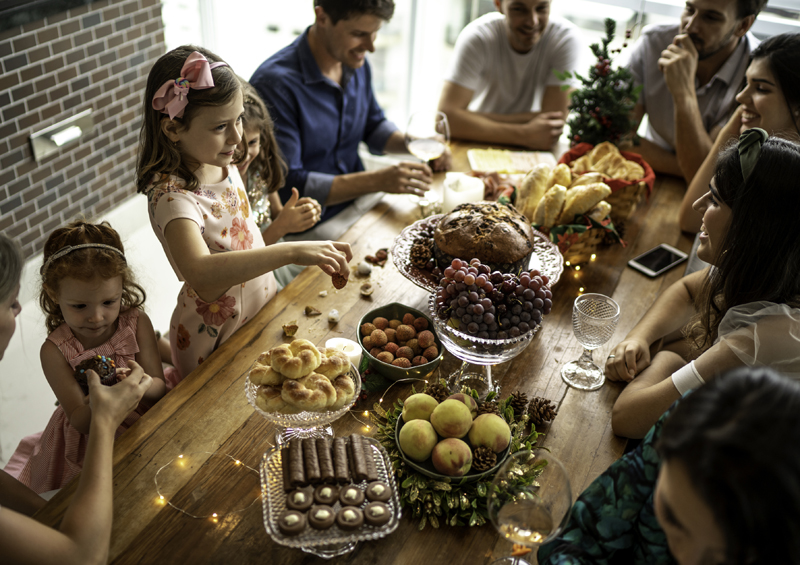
x,y
601,108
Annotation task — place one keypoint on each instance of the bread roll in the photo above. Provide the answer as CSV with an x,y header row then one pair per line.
x,y
269,399
580,165
581,199
587,178
634,171
560,175
265,375
601,150
334,363
295,360
532,188
550,207
600,212
313,393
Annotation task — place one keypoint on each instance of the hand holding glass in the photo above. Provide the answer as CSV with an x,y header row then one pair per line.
x,y
427,135
594,319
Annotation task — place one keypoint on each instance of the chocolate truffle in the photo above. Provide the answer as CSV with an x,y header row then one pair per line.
x,y
377,513
291,522
378,491
326,494
321,517
300,499
349,518
351,496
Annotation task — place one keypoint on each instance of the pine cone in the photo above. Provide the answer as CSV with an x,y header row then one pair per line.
x,y
438,391
483,459
519,401
489,407
541,410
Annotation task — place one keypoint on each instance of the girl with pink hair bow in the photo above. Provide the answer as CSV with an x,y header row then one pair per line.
x,y
189,146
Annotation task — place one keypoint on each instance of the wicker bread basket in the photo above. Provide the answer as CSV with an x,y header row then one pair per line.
x,y
625,195
580,247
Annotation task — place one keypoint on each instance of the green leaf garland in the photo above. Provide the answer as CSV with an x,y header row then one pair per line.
x,y
456,503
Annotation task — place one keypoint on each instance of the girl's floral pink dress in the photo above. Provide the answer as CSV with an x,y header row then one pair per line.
x,y
222,214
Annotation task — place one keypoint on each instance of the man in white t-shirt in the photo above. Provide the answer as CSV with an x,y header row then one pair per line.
x,y
502,87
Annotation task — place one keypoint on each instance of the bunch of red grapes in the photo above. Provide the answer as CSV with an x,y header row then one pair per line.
x,y
492,305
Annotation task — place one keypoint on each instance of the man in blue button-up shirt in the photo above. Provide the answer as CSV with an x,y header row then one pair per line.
x,y
319,92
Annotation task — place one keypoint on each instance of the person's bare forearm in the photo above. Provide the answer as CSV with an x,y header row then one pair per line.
x,y
472,126
17,496
692,142
671,310
87,521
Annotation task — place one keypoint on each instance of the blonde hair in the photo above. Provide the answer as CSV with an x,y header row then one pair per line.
x,y
85,265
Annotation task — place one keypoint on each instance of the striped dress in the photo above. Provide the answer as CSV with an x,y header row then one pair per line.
x,y
50,459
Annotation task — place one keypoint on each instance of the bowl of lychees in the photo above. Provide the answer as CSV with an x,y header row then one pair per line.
x,y
400,342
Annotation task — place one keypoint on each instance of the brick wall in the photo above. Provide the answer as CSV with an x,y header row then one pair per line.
x,y
96,56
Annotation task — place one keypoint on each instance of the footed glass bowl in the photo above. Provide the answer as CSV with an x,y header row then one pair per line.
x,y
303,424
478,351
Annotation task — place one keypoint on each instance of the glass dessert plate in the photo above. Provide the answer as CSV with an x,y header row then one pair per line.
x,y
476,350
303,424
333,541
546,258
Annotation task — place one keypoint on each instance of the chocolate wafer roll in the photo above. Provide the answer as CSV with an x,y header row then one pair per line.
x,y
325,461
341,469
297,472
311,461
287,484
359,461
369,459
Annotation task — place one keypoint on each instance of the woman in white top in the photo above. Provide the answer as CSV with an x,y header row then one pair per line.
x,y
744,310
85,532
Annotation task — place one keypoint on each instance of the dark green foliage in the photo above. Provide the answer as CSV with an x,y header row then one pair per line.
x,y
601,108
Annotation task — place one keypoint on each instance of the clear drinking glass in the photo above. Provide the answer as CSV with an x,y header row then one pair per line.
x,y
530,499
427,137
594,319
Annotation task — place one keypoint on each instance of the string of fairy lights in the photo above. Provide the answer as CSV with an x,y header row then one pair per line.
x,y
577,268
182,460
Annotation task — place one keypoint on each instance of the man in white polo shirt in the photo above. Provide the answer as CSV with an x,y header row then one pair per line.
x,y
691,73
501,87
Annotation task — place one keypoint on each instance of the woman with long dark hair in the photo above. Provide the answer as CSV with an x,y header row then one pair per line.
x,y
742,311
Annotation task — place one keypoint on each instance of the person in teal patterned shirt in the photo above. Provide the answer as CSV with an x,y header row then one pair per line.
x,y
715,481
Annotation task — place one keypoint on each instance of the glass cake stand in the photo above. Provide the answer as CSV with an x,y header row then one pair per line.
x,y
478,351
303,424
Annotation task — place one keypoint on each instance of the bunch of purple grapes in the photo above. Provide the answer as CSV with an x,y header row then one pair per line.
x,y
492,305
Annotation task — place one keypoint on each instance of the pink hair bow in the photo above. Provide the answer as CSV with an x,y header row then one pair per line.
x,y
171,98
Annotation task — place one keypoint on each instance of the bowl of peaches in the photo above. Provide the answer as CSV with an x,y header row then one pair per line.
x,y
400,342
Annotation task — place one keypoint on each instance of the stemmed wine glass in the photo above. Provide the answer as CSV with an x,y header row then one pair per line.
x,y
594,318
530,499
427,137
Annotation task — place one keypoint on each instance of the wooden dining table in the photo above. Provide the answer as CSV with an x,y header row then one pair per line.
x,y
205,441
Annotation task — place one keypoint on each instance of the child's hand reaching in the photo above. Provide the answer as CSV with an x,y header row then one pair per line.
x,y
112,404
330,256
298,214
